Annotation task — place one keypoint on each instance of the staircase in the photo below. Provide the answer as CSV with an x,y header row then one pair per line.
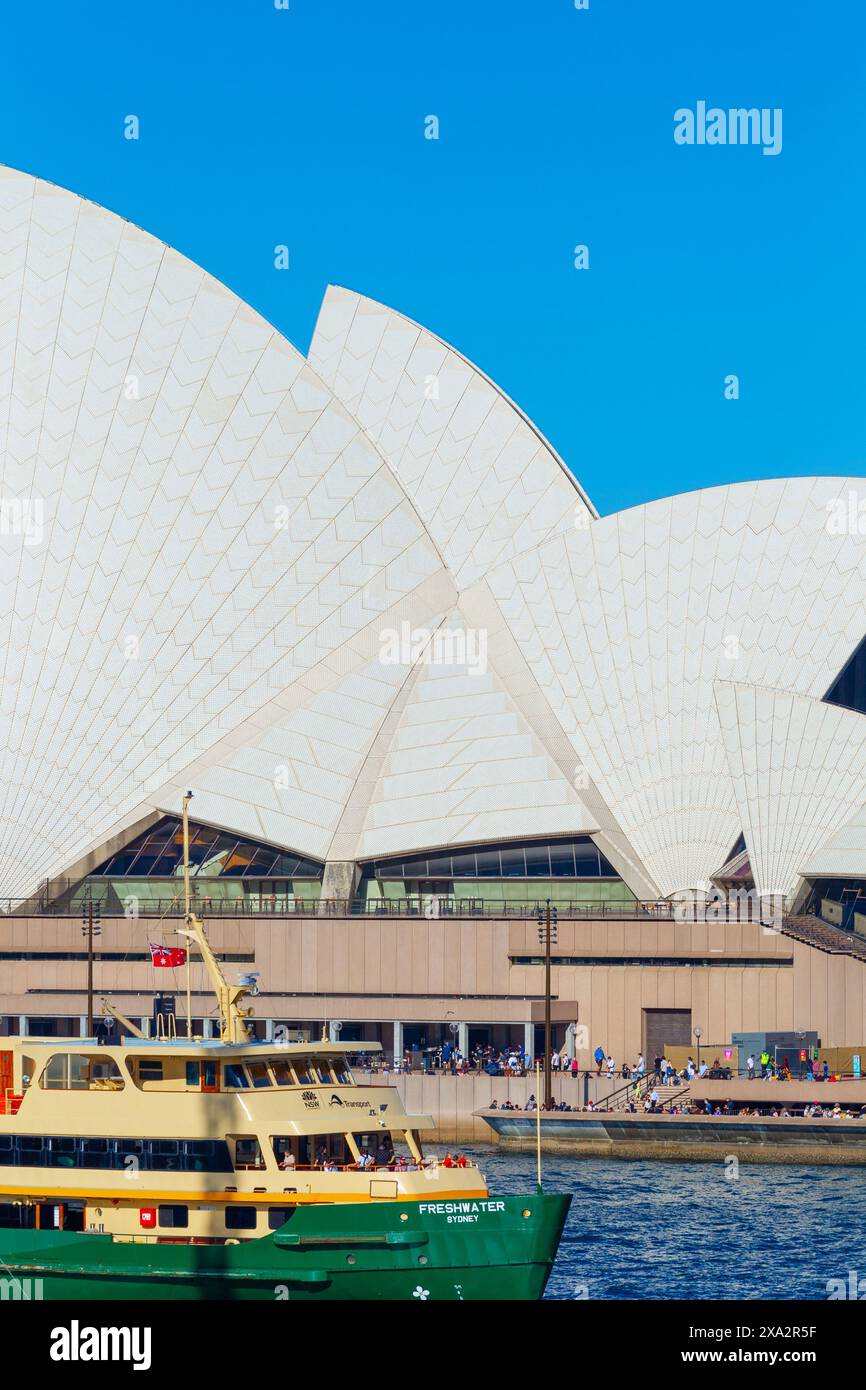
x,y
814,931
620,1099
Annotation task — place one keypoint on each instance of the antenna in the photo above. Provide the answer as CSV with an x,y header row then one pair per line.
x,y
233,1027
538,1122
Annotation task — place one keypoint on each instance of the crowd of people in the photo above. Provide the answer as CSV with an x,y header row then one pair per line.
x,y
381,1159
517,1062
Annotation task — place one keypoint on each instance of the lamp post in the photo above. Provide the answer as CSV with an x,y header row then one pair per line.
x,y
800,1035
91,918
699,1033
547,924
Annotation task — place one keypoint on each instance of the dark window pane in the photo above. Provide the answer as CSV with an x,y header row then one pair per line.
x,y
538,861
586,860
464,865
240,1218
489,864
514,859
606,868
177,1217
562,859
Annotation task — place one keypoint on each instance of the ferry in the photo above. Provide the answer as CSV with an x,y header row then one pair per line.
x,y
230,1168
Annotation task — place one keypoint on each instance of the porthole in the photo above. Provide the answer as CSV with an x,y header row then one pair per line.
x,y
351,1260
526,1212
422,1259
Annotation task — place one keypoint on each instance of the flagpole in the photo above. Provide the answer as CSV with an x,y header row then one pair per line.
x,y
186,909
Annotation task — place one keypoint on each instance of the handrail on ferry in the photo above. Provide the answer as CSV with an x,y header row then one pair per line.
x,y
371,1168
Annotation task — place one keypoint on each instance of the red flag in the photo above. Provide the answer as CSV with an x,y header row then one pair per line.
x,y
167,955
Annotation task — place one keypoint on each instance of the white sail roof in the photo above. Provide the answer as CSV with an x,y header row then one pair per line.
x,y
798,768
630,622
207,539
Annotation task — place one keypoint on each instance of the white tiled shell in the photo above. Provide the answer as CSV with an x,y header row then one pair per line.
x,y
161,424
628,624
487,484
842,854
798,768
228,530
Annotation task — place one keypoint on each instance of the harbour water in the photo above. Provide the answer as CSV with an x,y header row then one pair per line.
x,y
686,1230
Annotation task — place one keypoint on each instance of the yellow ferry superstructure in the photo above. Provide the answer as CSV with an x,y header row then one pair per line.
x,y
202,1140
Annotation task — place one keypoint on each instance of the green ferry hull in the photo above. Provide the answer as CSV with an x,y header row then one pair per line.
x,y
498,1248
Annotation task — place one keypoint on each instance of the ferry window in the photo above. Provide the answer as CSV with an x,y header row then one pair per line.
x,y
150,1069
61,1152
29,1148
248,1154
240,1218
284,1150
259,1073
78,1071
235,1075
302,1071
282,1072
54,1076
277,1217
5,1148
164,1154
105,1074
192,1074
174,1216
207,1156
130,1149
342,1073
94,1153
326,1076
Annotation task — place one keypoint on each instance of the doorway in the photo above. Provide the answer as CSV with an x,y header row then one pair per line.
x,y
663,1028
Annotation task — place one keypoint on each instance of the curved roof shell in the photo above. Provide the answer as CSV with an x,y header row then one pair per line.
x,y
225,566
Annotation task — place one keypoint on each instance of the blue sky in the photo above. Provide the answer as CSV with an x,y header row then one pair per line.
x,y
306,127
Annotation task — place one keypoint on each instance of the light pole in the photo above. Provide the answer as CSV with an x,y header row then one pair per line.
x,y
547,924
699,1033
800,1035
91,918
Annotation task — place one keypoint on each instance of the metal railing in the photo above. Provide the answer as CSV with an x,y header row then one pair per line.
x,y
254,906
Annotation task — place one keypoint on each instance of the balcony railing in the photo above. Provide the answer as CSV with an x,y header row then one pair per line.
x,y
255,906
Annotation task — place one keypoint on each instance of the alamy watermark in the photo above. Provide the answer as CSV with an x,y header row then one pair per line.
x,y
712,125
846,516
734,905
408,645
23,516
851,1288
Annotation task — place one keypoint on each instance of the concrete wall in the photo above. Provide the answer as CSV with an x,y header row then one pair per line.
x,y
379,970
451,1100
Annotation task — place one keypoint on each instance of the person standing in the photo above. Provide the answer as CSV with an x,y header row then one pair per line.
x,y
750,1066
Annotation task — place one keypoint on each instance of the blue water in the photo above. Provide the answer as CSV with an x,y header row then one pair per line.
x,y
684,1230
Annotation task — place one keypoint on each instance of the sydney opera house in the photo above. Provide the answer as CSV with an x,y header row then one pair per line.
x,y
417,685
